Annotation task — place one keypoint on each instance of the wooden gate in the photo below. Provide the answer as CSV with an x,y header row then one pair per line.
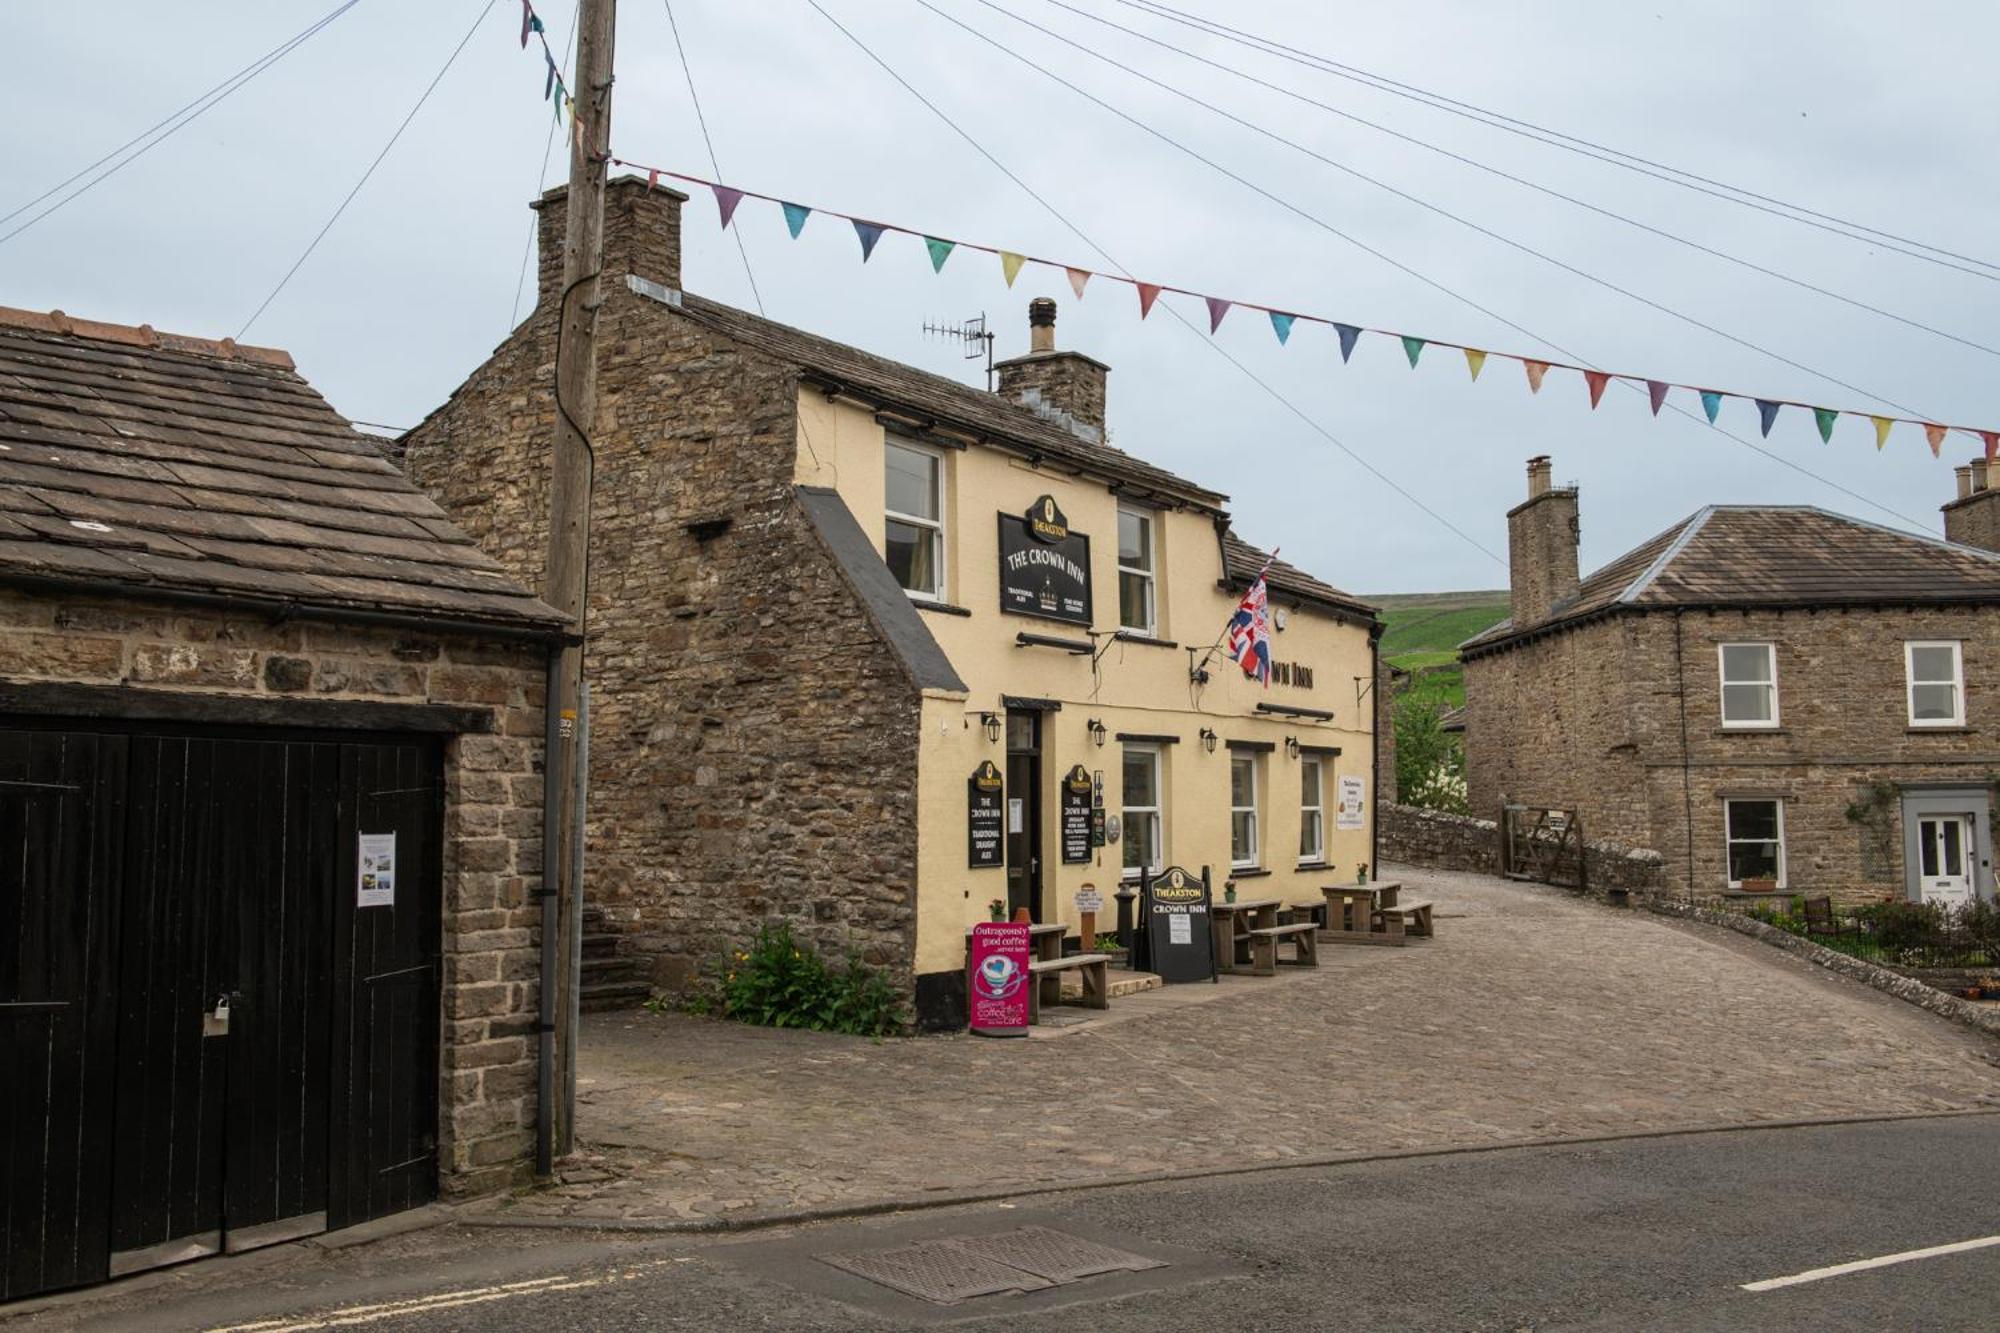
x,y
1543,843
225,1049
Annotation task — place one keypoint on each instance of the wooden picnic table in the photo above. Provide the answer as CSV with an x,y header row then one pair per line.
x,y
1230,920
1352,910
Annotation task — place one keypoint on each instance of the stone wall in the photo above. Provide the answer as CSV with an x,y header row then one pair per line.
x,y
493,809
753,740
1436,840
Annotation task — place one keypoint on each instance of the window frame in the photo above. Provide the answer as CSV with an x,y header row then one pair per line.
x,y
1255,859
1722,694
936,526
1156,755
1151,627
1728,842
1957,682
1317,856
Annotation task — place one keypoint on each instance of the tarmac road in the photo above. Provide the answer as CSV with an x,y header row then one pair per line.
x,y
1656,1233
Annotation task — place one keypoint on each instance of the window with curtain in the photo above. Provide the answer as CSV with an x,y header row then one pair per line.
x,y
1243,810
1144,833
1749,684
1312,809
913,528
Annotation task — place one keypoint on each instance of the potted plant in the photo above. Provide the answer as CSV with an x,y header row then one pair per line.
x,y
997,909
1361,873
1756,885
1229,890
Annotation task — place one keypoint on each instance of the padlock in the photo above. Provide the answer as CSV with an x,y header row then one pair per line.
x,y
216,1024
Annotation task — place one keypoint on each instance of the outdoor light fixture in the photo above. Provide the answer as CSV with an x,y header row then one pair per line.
x,y
1292,747
1208,740
1096,732
990,721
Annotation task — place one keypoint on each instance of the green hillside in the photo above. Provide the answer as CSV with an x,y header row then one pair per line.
x,y
1424,630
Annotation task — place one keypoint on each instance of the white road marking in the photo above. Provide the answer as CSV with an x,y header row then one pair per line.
x,y
1862,1265
443,1300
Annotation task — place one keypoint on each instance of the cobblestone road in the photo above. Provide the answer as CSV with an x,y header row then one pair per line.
x,y
1530,1016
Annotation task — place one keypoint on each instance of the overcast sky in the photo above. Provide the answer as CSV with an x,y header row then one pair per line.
x,y
1886,115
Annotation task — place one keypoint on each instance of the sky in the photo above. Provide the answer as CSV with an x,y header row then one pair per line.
x,y
1374,476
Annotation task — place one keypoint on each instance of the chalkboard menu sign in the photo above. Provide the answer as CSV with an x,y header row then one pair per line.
x,y
1076,816
1044,567
1177,941
984,846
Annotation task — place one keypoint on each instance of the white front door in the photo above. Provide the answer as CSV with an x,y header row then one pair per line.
x,y
1944,855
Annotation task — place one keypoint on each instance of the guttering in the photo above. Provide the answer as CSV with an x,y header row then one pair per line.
x,y
1294,710
545,1018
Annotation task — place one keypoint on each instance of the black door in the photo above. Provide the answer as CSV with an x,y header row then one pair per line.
x,y
1024,804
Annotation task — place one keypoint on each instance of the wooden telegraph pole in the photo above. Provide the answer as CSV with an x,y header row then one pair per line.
x,y
566,575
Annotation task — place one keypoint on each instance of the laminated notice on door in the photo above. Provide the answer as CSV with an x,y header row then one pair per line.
x,y
376,876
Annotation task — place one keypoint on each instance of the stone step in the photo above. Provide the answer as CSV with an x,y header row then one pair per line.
x,y
1121,983
613,969
596,998
600,945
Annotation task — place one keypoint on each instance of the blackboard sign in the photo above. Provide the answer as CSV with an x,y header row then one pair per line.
x,y
1044,567
983,846
1179,943
1076,842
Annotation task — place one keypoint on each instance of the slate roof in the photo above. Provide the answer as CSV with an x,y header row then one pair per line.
x,y
1776,555
1241,561
886,602
159,462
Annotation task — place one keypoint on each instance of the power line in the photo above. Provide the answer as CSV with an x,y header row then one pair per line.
x,y
541,183
702,121
1568,142
1079,233
1520,180
314,244
1425,278
1323,224
178,121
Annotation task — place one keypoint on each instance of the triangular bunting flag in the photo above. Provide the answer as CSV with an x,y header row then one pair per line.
x,y
549,83
1711,403
940,251
1881,430
1148,293
1536,369
1010,264
795,218
869,232
1991,439
1475,361
1823,418
1935,434
1596,379
1349,335
1656,394
1412,348
1217,308
1077,277
1767,412
1282,326
527,22
652,179
726,201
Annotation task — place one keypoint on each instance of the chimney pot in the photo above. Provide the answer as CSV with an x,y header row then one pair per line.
x,y
1981,478
1042,325
1964,474
1538,476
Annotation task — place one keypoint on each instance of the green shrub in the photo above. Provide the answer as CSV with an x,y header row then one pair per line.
x,y
779,982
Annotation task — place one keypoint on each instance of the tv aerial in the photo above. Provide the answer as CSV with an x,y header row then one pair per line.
x,y
973,335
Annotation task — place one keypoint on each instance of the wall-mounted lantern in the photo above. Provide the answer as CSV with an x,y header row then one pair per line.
x,y
1291,747
990,721
1097,732
1208,739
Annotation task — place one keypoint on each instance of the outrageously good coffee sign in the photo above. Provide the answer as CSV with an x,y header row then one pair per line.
x,y
982,816
1044,567
1076,841
997,979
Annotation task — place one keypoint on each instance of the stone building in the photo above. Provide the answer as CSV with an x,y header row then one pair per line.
x,y
271,813
1759,693
826,588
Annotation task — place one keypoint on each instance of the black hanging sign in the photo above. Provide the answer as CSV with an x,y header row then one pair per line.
x,y
1044,567
984,845
1176,926
1076,841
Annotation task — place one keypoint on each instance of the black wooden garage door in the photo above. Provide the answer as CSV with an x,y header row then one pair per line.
x,y
206,1041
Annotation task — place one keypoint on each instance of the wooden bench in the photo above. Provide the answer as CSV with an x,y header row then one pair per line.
x,y
1413,919
1264,940
1045,981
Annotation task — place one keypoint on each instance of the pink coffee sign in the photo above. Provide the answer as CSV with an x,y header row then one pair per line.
x,y
997,979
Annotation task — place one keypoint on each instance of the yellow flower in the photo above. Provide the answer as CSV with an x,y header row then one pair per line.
x,y
732,976
742,957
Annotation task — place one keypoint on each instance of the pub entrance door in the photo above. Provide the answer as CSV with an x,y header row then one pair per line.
x,y
1024,817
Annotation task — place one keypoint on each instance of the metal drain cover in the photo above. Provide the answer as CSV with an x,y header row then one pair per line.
x,y
957,1268
936,1271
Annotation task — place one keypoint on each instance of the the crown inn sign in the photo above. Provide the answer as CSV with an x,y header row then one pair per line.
x,y
1044,567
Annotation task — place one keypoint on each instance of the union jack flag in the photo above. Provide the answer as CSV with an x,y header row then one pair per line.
x,y
1249,639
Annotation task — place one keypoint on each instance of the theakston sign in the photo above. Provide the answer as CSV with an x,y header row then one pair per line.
x,y
1044,567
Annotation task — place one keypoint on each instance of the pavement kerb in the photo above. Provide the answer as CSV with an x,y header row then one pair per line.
x,y
955,1198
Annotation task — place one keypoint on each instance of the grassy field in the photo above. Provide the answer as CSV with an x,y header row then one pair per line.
x,y
1425,629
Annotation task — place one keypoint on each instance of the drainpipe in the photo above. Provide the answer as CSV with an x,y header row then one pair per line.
x,y
545,1024
573,990
1375,752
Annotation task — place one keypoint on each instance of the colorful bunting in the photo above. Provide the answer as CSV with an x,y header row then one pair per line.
x,y
527,22
1282,326
940,251
1767,412
549,83
1475,361
1656,394
1412,348
795,217
1991,439
1935,434
1077,277
1217,308
1823,418
1010,264
1349,335
869,232
1597,379
726,201
1148,293
1711,403
1536,369
1881,431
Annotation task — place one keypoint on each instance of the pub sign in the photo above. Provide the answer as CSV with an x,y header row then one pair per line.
x,y
984,847
1044,567
1076,840
1175,930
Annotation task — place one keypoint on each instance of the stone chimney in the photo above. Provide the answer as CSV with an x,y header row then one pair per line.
x,y
1541,547
1973,519
642,234
1066,387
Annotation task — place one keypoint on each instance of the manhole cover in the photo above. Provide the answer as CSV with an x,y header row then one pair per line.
x,y
1055,1255
936,1271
